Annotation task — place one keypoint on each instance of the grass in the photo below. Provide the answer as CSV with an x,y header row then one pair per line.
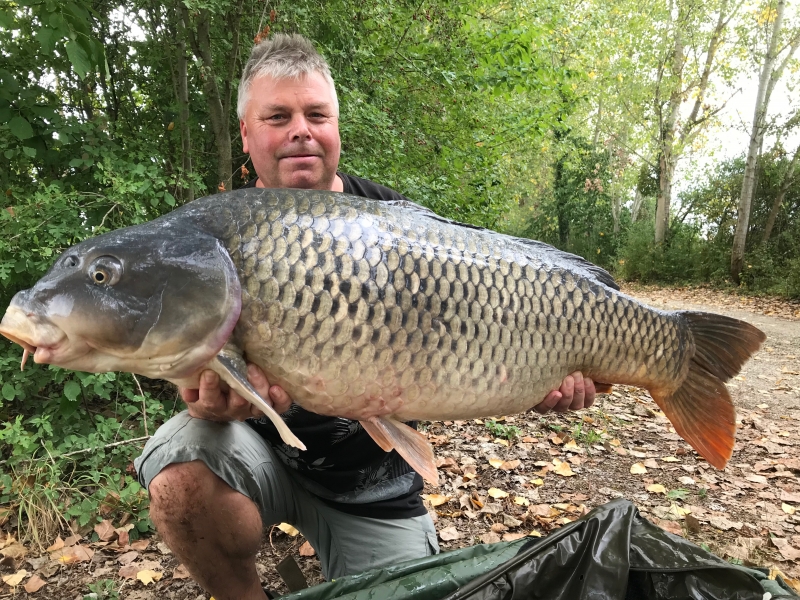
x,y
509,432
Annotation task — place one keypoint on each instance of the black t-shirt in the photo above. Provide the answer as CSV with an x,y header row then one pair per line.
x,y
342,464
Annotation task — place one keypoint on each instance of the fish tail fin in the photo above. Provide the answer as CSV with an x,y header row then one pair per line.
x,y
701,409
409,443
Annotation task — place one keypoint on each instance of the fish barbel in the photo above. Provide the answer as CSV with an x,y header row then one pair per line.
x,y
377,311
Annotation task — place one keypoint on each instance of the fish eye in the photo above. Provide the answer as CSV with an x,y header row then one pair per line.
x,y
105,270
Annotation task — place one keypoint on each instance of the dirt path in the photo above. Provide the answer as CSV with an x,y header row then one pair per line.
x,y
529,475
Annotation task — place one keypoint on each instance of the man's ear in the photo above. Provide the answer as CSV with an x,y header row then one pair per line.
x,y
243,131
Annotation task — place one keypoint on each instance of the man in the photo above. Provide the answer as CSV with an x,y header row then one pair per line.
x,y
216,482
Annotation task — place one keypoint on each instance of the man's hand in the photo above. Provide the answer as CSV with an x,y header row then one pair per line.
x,y
215,401
576,392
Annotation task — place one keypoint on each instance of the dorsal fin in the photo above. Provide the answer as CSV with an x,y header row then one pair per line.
x,y
552,253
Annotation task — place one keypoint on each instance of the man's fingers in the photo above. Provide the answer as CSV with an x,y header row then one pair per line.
x,y
189,395
579,391
280,399
549,402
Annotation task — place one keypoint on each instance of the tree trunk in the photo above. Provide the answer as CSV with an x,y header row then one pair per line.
x,y
182,85
788,179
637,204
766,82
667,138
219,100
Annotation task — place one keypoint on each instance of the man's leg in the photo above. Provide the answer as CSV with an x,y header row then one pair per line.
x,y
212,488
213,530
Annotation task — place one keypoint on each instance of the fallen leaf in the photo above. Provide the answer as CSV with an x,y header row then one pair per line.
x,y
756,478
140,545
788,508
105,530
501,441
50,569
73,554
638,469
123,538
789,496
15,550
307,549
686,480
497,493
670,459
788,552
128,557
692,523
673,527
450,533
571,445
510,537
15,579
489,538
147,576
436,499
72,540
57,545
521,501
34,584
509,465
510,521
537,481
180,572
496,462
657,488
724,524
288,529
562,468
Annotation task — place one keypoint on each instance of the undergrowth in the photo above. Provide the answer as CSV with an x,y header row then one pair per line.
x,y
67,442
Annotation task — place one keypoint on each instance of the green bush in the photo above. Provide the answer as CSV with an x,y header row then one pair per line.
x,y
676,260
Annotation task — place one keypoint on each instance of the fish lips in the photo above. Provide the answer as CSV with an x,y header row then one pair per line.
x,y
38,335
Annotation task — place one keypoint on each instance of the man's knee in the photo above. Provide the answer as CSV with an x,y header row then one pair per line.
x,y
187,490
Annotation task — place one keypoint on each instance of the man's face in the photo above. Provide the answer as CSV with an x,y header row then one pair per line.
x,y
291,131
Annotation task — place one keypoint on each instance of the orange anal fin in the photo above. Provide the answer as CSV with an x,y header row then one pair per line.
x,y
376,432
409,443
603,388
702,413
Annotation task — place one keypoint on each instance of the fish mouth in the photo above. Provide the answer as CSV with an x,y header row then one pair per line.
x,y
36,334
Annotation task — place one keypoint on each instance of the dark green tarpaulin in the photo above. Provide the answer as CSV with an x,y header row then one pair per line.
x,y
611,553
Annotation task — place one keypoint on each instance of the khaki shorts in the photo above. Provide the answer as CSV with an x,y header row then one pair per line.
x,y
346,544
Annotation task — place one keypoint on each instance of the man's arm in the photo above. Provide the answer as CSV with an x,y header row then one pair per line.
x,y
213,400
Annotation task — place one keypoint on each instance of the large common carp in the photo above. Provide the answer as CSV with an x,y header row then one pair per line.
x,y
377,311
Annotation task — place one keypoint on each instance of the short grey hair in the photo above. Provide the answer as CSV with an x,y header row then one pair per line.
x,y
283,56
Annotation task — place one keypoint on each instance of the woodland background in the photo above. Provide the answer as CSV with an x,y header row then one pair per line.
x,y
590,125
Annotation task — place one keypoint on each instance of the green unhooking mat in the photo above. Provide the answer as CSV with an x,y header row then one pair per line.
x,y
611,553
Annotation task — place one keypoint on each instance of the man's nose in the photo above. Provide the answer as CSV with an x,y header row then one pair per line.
x,y
299,129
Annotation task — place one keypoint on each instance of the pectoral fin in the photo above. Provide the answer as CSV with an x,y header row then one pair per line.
x,y
232,369
413,446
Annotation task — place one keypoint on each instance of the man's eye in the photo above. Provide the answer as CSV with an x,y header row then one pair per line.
x,y
275,118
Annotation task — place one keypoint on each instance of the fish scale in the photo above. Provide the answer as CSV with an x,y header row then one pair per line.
x,y
496,321
377,311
